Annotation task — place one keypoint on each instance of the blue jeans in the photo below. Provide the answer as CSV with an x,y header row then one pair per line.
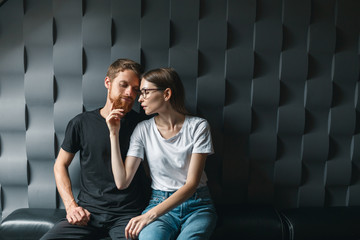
x,y
193,219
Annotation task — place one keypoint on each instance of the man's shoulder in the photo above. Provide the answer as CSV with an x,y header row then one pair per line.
x,y
83,116
77,118
132,114
135,117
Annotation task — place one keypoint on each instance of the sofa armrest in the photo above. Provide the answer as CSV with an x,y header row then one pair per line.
x,y
29,223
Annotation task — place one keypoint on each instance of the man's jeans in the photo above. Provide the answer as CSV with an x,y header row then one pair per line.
x,y
193,219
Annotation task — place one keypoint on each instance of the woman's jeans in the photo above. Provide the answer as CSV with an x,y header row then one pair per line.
x,y
193,219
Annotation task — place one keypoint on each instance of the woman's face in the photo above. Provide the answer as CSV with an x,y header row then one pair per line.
x,y
151,97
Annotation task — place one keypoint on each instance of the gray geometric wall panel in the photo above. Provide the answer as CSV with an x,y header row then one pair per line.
x,y
13,154
277,80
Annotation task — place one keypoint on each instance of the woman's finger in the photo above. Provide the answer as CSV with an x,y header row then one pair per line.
x,y
118,110
127,229
114,116
137,230
132,230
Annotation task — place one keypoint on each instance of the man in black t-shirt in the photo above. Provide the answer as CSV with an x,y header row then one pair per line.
x,y
101,209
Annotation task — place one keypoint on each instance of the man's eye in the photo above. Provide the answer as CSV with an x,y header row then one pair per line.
x,y
123,85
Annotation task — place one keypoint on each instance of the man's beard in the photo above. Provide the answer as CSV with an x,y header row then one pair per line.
x,y
121,103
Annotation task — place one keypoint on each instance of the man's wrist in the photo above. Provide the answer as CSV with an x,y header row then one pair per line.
x,y
71,203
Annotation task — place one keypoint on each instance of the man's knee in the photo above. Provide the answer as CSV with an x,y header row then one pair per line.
x,y
65,230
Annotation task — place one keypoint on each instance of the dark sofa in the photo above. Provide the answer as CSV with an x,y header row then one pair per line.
x,y
235,222
268,223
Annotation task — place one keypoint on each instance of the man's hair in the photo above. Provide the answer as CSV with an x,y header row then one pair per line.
x,y
121,65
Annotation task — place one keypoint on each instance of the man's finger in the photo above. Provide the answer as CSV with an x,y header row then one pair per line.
x,y
77,216
87,215
81,212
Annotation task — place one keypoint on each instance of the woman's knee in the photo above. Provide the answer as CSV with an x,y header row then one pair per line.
x,y
157,230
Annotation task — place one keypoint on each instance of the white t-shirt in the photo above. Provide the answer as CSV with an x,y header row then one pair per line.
x,y
169,159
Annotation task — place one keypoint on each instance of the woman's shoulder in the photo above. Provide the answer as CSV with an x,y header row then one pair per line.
x,y
197,124
146,124
195,120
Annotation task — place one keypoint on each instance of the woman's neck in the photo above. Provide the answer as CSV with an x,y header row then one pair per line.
x,y
169,120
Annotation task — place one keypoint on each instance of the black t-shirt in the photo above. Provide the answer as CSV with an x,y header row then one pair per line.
x,y
89,134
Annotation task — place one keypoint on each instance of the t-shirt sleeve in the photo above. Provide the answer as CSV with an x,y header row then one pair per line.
x,y
71,141
202,139
136,148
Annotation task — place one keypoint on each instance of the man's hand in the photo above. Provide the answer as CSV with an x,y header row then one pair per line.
x,y
77,216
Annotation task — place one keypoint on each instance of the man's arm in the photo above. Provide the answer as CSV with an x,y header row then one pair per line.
x,y
74,214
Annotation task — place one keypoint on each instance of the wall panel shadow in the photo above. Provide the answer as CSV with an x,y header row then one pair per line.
x,y
278,82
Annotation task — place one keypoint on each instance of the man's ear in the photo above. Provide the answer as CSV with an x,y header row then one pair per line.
x,y
167,94
107,82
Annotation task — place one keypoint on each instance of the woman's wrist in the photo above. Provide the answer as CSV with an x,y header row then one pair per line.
x,y
114,134
152,215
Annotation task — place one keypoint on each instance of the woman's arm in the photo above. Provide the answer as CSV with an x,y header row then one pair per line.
x,y
123,173
196,168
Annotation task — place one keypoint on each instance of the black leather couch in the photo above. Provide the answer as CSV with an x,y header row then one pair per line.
x,y
235,222
268,223
29,223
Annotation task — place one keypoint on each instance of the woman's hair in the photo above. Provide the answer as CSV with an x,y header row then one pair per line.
x,y
164,78
121,65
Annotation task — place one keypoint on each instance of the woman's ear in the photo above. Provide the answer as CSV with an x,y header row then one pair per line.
x,y
167,94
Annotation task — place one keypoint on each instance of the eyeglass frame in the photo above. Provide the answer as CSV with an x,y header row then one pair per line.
x,y
143,92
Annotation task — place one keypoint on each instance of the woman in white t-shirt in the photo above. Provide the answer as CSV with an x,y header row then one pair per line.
x,y
176,145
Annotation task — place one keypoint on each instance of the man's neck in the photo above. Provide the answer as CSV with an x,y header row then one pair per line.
x,y
104,112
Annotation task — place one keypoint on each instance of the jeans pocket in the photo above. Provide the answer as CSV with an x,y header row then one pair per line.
x,y
156,200
204,200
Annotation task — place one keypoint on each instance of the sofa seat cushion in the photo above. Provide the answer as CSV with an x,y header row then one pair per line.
x,y
248,222
29,223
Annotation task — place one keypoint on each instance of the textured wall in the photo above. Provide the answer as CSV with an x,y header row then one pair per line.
x,y
277,80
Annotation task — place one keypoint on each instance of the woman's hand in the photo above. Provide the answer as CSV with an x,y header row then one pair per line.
x,y
113,120
136,224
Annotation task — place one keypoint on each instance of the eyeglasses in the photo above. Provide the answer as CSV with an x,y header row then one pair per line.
x,y
145,91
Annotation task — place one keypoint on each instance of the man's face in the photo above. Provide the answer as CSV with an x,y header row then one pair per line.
x,y
124,89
